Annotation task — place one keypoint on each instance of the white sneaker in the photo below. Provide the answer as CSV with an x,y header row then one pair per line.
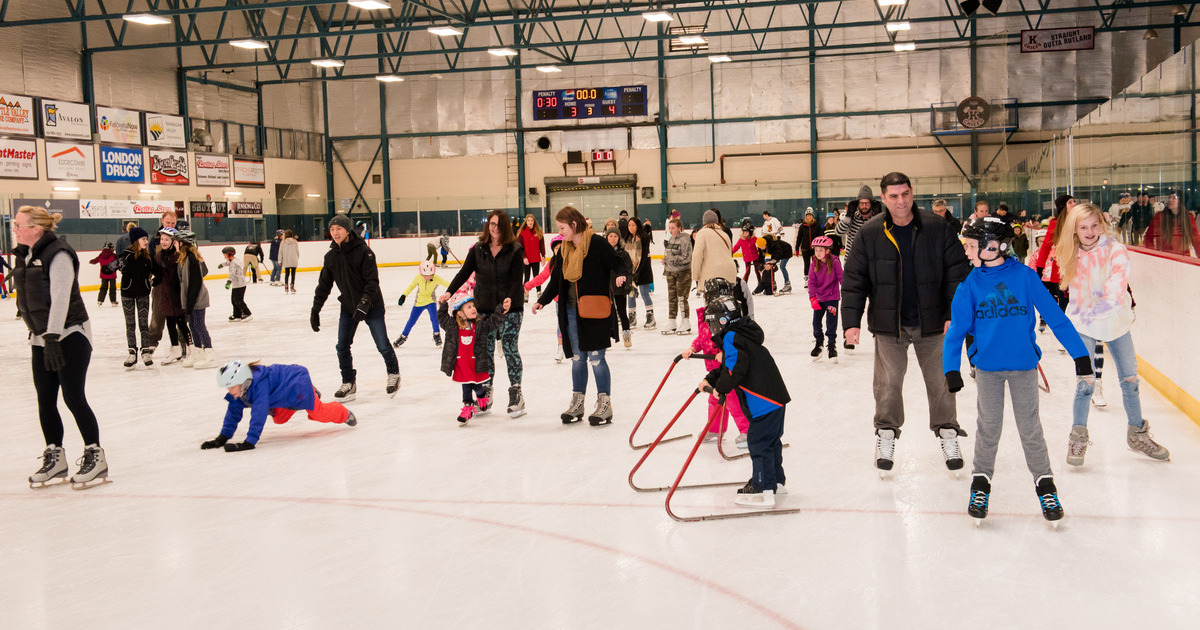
x,y
1098,396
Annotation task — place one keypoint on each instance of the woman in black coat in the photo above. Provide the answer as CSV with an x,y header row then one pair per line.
x,y
137,277
580,280
636,241
497,261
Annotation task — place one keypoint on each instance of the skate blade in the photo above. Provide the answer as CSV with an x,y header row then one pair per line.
x,y
98,481
516,414
683,332
833,360
57,481
978,522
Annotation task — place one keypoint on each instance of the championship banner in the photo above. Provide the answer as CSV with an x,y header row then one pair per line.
x,y
246,208
249,173
1058,39
63,119
16,115
119,126
169,167
163,130
120,164
123,208
71,161
18,159
208,209
212,169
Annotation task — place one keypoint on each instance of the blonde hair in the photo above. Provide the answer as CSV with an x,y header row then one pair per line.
x,y
677,223
1066,248
41,217
537,228
130,226
187,248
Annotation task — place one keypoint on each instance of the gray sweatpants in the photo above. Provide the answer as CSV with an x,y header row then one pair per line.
x,y
891,363
1023,384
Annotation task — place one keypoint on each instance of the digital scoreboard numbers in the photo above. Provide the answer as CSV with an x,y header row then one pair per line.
x,y
600,102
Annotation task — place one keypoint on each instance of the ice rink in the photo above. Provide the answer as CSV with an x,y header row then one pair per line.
x,y
409,521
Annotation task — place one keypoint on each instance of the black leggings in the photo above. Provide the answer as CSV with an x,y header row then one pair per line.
x,y
178,330
108,286
532,270
622,316
289,276
77,354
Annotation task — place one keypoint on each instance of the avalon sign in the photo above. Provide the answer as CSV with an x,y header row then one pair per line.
x,y
61,119
1058,39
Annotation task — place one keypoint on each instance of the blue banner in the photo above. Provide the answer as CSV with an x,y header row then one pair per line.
x,y
120,164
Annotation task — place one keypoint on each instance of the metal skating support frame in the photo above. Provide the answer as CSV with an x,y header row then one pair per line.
x,y
1044,385
674,362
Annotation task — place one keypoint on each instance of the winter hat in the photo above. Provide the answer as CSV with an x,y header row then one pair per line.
x,y
458,300
709,217
342,221
612,230
809,211
278,232
865,193
1061,202
228,250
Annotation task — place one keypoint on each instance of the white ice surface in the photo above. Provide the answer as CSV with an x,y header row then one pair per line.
x,y
410,521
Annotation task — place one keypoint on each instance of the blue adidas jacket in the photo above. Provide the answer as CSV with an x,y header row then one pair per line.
x,y
748,369
278,386
997,305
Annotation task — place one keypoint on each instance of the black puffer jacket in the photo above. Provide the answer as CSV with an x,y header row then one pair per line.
x,y
352,267
496,277
137,274
873,271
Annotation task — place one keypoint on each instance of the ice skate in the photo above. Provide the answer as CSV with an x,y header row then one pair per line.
x,y
93,469
247,317
632,318
189,355
350,419
669,328
345,393
399,341
650,323
393,385
484,402
131,360
1042,326
205,359
1141,441
685,328
833,353
1047,493
574,412
741,441
464,416
626,338
558,352
603,413
750,496
175,354
234,318
516,402
885,449
847,345
1098,396
817,350
147,357
1077,445
787,288
949,439
981,489
53,471
437,339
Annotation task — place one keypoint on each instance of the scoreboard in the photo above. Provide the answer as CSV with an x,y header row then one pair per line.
x,y
598,102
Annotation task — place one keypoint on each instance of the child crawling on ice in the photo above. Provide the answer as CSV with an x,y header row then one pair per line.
x,y
276,390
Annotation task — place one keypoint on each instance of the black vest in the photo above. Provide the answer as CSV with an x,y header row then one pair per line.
x,y
33,284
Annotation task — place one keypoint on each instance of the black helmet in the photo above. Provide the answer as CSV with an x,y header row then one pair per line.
x,y
228,250
720,310
989,229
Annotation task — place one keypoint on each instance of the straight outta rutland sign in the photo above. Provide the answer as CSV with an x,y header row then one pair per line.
x,y
119,164
1058,39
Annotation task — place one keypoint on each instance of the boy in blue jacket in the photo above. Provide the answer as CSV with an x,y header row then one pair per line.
x,y
275,390
996,304
748,370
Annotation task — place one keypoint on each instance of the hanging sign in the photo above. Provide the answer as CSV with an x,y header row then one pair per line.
x,y
212,170
246,208
119,126
208,209
249,173
973,112
121,164
1058,39
18,159
68,208
163,130
72,161
169,167
62,119
123,208
16,115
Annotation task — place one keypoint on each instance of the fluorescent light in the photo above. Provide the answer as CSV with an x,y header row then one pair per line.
x,y
148,19
389,78
249,44
232,193
891,3
720,58
657,16
898,26
444,31
327,63
549,69
149,191
692,40
901,47
66,189
369,5
313,195
502,52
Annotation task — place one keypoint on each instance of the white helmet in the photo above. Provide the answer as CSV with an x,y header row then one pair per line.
x,y
426,268
234,373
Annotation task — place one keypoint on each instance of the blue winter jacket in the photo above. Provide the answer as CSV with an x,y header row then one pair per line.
x,y
278,386
996,305
748,369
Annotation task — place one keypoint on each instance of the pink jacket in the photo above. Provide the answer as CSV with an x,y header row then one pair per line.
x,y
748,247
703,343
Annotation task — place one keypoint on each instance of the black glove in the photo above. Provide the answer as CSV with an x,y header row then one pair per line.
x,y
238,446
52,356
314,320
214,443
401,300
359,314
1083,366
954,381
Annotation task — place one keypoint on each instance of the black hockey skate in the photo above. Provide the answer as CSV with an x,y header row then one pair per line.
x,y
1047,493
981,489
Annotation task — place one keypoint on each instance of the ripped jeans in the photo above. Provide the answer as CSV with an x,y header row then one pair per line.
x,y
1122,355
580,360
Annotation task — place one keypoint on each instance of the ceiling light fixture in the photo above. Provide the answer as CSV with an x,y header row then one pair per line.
x,y
891,3
369,5
148,19
249,44
903,46
313,195
502,52
692,40
149,191
389,78
1150,34
66,189
898,26
657,16
232,193
549,69
444,31
1179,9
720,58
327,63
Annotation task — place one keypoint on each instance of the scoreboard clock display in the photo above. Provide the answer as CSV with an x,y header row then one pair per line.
x,y
598,102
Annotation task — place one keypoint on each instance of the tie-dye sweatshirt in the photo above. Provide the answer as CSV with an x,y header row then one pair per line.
x,y
1101,306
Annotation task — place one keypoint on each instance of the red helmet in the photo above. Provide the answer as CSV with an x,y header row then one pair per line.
x,y
822,241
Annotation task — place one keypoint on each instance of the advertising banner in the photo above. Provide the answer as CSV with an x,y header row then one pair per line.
x,y
72,161
119,126
1057,39
16,115
249,173
169,167
163,130
123,208
212,170
68,208
63,119
208,209
119,164
246,208
18,159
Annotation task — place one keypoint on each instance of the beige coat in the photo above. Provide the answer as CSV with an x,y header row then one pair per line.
x,y
712,256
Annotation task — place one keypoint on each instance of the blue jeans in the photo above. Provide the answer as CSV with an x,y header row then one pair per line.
x,y
276,269
579,375
1122,355
783,267
346,329
645,290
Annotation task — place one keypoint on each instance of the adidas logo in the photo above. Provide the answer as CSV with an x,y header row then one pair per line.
x,y
1000,303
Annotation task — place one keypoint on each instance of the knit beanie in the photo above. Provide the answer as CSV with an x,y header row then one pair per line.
x,y
136,234
612,230
865,193
1061,202
342,221
709,217
809,211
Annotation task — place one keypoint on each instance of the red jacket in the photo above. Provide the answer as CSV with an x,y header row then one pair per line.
x,y
106,256
535,247
748,247
1043,253
1156,238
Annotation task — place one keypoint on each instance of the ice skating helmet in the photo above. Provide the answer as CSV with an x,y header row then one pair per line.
x,y
717,286
458,300
425,268
234,373
720,311
169,231
746,224
822,241
228,250
185,236
988,229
